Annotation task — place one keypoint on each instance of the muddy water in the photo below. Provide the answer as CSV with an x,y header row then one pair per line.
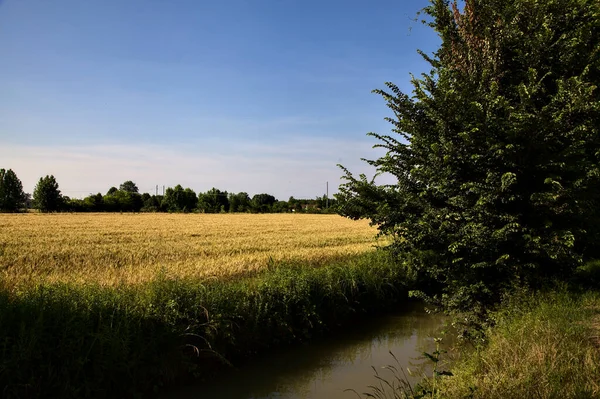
x,y
328,368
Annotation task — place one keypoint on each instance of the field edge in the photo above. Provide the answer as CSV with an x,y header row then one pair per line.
x,y
73,340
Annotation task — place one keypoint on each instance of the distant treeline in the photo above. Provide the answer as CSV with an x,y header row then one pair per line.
x,y
48,198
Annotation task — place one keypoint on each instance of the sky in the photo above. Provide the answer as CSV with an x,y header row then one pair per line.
x,y
261,96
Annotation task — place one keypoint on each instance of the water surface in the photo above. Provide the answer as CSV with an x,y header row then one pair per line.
x,y
326,368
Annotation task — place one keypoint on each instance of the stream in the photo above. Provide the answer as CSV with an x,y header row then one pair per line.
x,y
329,367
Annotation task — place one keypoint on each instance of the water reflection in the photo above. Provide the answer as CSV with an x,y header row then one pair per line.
x,y
326,368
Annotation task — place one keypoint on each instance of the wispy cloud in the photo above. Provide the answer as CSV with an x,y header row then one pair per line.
x,y
298,167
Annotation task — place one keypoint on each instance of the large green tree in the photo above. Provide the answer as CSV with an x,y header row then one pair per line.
x,y
46,195
12,197
496,153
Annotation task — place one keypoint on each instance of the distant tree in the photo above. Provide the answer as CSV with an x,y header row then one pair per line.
x,y
294,204
280,207
112,190
73,205
93,203
178,199
213,201
190,200
129,187
159,201
148,203
46,195
321,202
135,199
112,202
153,203
28,200
12,197
123,201
170,200
311,205
333,206
262,203
239,202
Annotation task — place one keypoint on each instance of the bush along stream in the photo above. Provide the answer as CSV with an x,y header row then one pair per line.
x,y
495,158
65,340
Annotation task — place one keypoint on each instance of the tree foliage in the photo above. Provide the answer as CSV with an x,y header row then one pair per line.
x,y
239,202
12,197
213,201
94,203
129,187
262,203
496,152
179,199
122,201
127,198
46,195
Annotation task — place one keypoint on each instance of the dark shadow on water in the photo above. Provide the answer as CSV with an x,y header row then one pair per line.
x,y
325,368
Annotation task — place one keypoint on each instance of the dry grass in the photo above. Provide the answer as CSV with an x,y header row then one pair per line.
x,y
132,248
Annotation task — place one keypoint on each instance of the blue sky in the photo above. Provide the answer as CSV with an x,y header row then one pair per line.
x,y
254,95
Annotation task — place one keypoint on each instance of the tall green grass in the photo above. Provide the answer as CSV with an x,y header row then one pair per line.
x,y
542,346
64,340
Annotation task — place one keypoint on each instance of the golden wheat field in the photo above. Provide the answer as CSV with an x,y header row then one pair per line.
x,y
132,248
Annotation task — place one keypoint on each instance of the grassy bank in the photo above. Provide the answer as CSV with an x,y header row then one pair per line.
x,y
73,340
542,346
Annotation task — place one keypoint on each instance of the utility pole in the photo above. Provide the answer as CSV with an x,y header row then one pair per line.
x,y
327,206
156,190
